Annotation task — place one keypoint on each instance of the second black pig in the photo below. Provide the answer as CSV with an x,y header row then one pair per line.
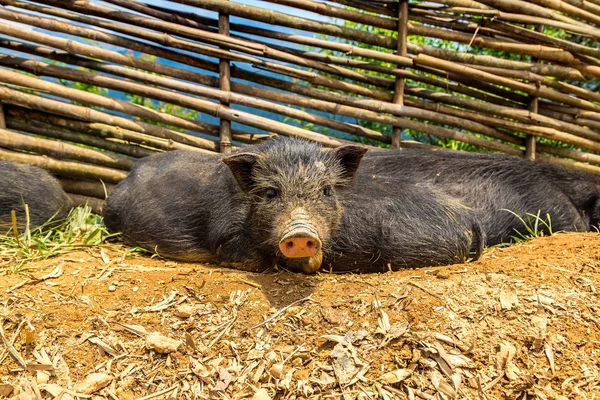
x,y
505,192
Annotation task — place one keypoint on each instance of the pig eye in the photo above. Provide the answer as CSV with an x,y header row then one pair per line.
x,y
327,191
271,193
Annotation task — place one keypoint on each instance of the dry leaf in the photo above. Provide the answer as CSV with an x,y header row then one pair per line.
x,y
395,376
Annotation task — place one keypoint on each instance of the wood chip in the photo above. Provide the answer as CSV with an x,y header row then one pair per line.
x,y
93,382
261,394
395,376
162,344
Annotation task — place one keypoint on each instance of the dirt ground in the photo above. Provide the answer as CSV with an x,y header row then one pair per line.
x,y
522,322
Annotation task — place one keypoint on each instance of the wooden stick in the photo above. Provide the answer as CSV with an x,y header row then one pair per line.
x,y
487,77
545,69
401,51
526,8
58,149
57,132
101,101
250,100
64,57
93,188
530,140
592,169
66,168
70,110
80,201
225,86
2,116
92,134
274,17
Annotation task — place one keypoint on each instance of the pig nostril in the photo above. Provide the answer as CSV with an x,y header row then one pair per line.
x,y
310,244
289,244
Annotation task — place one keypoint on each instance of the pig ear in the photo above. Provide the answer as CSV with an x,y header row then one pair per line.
x,y
241,165
349,157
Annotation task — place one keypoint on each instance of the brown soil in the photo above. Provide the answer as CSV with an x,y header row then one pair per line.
x,y
522,322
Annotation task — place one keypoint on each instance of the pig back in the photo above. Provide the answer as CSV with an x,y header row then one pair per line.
x,y
401,223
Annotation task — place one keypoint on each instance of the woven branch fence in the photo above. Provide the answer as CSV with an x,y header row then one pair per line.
x,y
341,66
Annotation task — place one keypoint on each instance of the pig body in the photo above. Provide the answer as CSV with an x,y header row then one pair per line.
x,y
291,203
22,183
497,187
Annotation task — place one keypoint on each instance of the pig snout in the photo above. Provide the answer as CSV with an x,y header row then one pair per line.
x,y
300,244
300,238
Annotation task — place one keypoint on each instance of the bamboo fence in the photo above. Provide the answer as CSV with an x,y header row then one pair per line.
x,y
511,76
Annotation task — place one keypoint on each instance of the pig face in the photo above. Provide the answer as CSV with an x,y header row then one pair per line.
x,y
291,189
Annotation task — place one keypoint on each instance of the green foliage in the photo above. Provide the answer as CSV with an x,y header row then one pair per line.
x,y
81,229
534,224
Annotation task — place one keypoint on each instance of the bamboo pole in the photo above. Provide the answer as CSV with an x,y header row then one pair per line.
x,y
516,127
568,153
447,81
64,57
433,62
66,168
250,48
525,34
526,8
120,87
111,69
126,107
401,51
215,39
379,106
249,100
78,112
558,71
81,201
523,116
555,54
225,86
62,150
530,140
113,138
91,188
568,9
146,91
198,104
526,20
56,132
563,162
14,78
278,18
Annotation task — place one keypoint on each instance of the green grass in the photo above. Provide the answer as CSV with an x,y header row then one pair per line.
x,y
81,229
535,226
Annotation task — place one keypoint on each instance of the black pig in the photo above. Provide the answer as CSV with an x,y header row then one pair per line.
x,y
22,183
291,203
499,186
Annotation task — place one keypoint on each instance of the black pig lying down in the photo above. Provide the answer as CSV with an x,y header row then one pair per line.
x,y
22,183
291,203
498,186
